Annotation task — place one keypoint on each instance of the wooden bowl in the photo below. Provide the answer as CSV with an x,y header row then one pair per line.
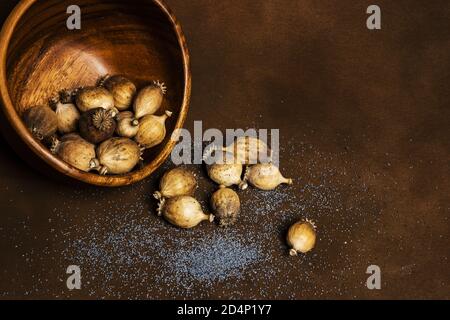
x,y
39,56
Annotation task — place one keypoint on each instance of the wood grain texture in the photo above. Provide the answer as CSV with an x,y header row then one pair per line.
x,y
39,56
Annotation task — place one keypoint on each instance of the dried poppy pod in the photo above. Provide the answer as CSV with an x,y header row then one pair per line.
x,y
122,89
246,150
94,97
264,176
97,125
301,237
152,130
127,124
67,115
250,150
226,206
226,171
149,99
117,156
183,211
176,182
75,151
41,121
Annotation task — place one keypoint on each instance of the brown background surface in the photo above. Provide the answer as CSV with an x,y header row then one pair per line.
x,y
364,129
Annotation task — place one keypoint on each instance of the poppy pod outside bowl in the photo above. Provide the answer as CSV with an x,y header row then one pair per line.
x,y
40,56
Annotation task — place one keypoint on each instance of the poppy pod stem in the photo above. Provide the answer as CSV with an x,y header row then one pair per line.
x,y
53,102
37,135
94,163
103,171
162,202
54,144
101,81
244,185
168,114
157,195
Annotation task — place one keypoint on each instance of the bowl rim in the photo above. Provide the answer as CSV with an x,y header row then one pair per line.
x,y
19,127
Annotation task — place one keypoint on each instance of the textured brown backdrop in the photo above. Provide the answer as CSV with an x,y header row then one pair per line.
x,y
364,118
